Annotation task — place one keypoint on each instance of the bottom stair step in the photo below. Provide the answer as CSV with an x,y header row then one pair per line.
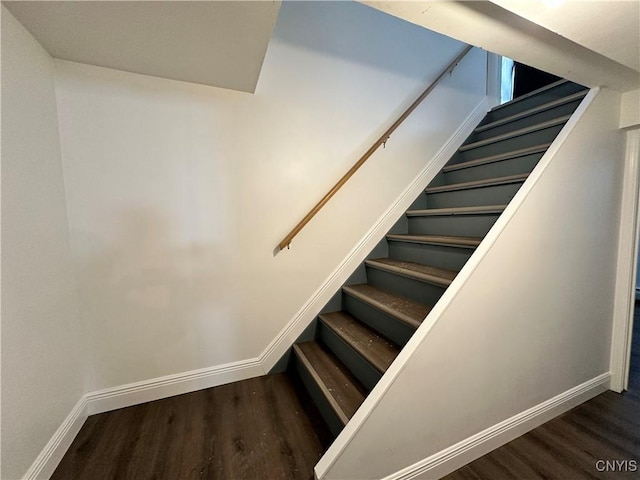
x,y
337,385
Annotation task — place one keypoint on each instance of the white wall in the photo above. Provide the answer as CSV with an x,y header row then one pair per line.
x,y
41,364
528,318
630,109
178,194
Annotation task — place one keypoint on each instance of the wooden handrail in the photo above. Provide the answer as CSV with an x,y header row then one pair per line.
x,y
383,139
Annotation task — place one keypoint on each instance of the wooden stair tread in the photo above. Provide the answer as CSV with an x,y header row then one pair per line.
x,y
417,271
377,350
515,133
404,309
498,158
484,209
487,182
454,241
341,389
533,111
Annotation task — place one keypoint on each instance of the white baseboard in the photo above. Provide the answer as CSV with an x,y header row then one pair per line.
x,y
46,463
170,385
332,284
458,455
133,394
157,388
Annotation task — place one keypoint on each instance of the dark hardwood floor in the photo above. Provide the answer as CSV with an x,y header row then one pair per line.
x,y
254,429
577,444
257,429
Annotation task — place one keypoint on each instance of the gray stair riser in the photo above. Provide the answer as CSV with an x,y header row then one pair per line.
x,y
357,365
419,203
307,335
328,415
400,226
438,180
550,114
494,195
333,305
388,326
407,287
451,258
282,364
512,166
538,137
556,93
460,225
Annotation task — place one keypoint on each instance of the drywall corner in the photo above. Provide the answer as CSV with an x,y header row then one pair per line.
x,y
42,368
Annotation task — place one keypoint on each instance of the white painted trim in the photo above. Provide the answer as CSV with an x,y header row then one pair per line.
x,y
458,455
133,394
494,79
162,387
50,456
625,292
287,336
170,385
375,396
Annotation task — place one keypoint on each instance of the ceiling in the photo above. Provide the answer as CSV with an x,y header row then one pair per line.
x,y
610,28
223,43
595,43
218,43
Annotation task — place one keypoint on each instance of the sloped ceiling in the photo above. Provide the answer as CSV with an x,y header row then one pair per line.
x,y
609,28
595,43
218,43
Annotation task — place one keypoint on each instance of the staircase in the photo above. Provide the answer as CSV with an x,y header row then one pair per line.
x,y
354,344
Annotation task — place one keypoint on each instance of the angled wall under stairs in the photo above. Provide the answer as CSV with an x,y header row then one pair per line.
x,y
356,342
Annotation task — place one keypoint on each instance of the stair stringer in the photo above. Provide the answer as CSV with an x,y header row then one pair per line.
x,y
334,282
430,412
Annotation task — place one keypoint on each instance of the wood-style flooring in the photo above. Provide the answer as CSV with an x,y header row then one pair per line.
x,y
257,429
574,445
254,429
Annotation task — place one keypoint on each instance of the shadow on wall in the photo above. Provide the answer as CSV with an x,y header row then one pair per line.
x,y
152,303
366,46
